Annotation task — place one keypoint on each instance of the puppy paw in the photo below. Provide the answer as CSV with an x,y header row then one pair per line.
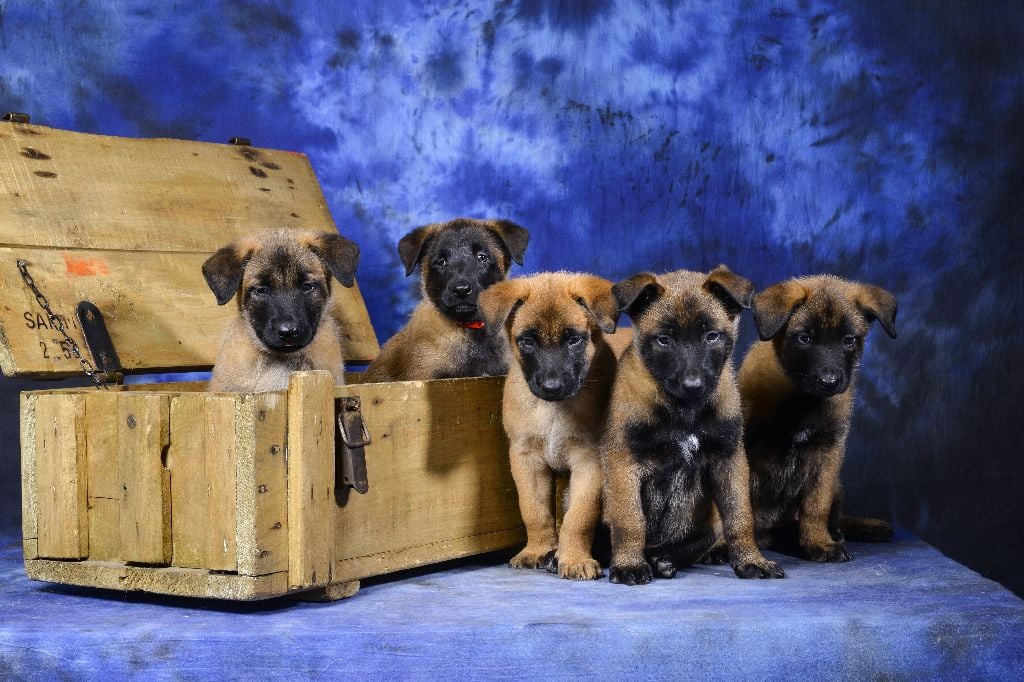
x,y
575,568
638,574
828,554
716,556
758,569
663,566
530,558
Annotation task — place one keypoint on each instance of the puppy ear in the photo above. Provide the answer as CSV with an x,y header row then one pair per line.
x,y
775,305
595,295
513,236
735,292
412,246
223,270
634,295
340,255
877,304
498,301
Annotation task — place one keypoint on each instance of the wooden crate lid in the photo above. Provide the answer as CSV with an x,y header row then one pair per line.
x,y
126,224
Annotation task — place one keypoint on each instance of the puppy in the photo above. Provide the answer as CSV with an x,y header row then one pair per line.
x,y
282,283
672,450
553,407
445,337
797,385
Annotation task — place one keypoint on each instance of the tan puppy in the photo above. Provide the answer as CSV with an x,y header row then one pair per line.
x,y
554,402
445,337
797,386
282,284
672,449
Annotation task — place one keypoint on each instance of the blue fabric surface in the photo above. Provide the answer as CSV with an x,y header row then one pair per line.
x,y
898,609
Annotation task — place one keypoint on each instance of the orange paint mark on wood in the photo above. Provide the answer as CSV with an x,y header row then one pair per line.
x,y
85,267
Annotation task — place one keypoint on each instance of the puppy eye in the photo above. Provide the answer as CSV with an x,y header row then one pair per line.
x,y
711,337
308,287
259,292
575,340
526,344
663,340
440,262
483,257
803,339
849,340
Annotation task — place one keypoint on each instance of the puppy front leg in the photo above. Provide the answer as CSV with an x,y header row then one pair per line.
x,y
625,515
534,482
815,510
731,491
576,537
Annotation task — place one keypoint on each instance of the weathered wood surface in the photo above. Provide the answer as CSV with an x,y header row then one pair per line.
x,y
127,224
145,518
440,483
311,470
101,447
61,477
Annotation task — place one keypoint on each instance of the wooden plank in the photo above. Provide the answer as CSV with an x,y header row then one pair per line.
x,y
29,504
76,191
219,420
181,582
311,504
262,479
61,477
440,482
104,477
157,307
145,484
186,460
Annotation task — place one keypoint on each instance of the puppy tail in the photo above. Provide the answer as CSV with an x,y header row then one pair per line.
x,y
862,529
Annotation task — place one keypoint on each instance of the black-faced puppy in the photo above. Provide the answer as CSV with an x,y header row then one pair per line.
x,y
553,407
445,337
282,284
797,385
672,449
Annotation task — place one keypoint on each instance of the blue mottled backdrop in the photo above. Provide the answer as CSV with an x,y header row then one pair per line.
x,y
878,141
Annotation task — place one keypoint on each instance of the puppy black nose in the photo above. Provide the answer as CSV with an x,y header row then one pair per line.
x,y
693,382
829,378
551,384
462,290
288,331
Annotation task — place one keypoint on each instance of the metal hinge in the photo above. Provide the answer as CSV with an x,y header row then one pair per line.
x,y
97,338
16,117
240,141
354,437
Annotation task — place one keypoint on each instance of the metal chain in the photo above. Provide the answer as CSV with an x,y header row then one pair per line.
x,y
58,324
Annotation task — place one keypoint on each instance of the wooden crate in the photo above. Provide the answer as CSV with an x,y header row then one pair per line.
x,y
172,489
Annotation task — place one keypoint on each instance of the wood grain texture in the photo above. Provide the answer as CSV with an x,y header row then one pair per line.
x,y
70,190
311,471
156,305
440,482
145,518
61,477
101,425
29,503
262,483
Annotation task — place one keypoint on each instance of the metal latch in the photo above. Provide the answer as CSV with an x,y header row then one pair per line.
x,y
240,141
97,338
16,117
354,437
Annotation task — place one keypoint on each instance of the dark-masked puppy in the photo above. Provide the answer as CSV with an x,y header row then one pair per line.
x,y
554,404
282,283
445,336
672,449
798,386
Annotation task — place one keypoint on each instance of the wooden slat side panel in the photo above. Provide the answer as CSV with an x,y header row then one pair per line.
x,y
220,459
186,460
61,477
262,493
145,484
438,472
310,479
72,190
157,307
29,505
103,475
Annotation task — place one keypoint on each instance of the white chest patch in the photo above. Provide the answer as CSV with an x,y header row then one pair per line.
x,y
688,446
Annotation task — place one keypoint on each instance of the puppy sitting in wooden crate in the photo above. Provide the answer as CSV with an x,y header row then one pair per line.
x,y
553,407
445,337
282,282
